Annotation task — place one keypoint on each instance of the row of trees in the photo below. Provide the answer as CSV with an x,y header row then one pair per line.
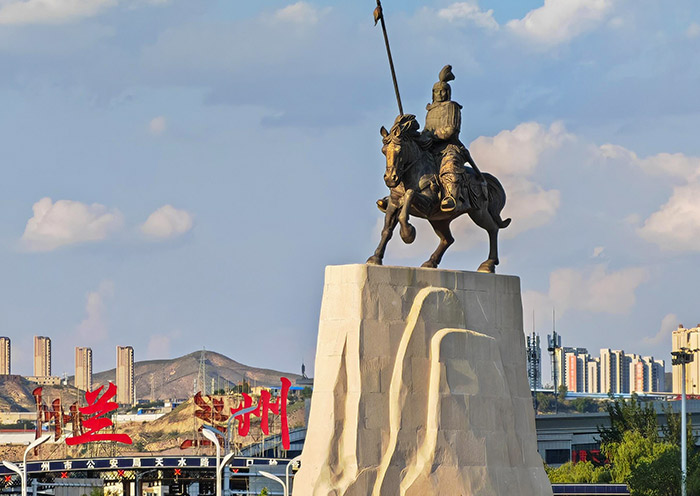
x,y
640,452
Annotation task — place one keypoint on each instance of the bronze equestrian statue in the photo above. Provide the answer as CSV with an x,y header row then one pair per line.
x,y
427,178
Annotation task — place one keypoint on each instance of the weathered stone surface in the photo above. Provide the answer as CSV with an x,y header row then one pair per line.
x,y
420,387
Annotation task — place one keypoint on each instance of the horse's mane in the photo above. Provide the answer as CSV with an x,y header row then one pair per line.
x,y
407,126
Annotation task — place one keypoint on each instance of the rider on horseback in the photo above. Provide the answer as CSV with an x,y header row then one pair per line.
x,y
442,126
441,136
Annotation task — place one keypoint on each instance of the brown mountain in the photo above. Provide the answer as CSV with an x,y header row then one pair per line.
x,y
16,394
176,378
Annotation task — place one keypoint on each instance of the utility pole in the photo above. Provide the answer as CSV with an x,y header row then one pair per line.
x,y
682,357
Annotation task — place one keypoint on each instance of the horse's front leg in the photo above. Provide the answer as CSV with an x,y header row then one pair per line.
x,y
408,232
390,220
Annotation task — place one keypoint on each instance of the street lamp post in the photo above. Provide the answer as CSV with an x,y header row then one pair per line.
x,y
209,433
682,357
23,471
276,479
286,470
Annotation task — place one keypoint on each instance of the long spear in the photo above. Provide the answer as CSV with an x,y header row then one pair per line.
x,y
379,16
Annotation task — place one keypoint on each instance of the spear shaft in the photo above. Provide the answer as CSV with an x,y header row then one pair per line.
x,y
379,16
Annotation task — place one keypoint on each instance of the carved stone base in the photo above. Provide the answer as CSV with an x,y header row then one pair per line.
x,y
420,387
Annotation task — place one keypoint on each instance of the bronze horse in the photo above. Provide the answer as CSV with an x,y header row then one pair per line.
x,y
411,175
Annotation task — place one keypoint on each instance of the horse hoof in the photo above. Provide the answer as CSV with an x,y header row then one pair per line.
x,y
488,267
374,260
429,264
410,236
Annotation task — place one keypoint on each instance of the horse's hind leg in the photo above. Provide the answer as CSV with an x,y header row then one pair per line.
x,y
490,264
390,220
442,229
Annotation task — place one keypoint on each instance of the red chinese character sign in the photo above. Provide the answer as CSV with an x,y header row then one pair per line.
x,y
87,422
213,415
95,421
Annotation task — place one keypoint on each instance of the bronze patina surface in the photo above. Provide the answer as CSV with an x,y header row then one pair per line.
x,y
427,177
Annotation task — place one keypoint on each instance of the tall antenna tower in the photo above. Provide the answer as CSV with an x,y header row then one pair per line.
x,y
553,345
202,375
533,364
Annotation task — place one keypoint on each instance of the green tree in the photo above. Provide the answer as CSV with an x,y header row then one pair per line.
x,y
544,402
562,392
306,392
578,473
629,415
264,492
583,405
648,466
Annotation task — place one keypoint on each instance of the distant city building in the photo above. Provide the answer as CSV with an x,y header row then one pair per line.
x,y
83,368
42,356
687,338
5,355
565,368
593,375
125,376
613,372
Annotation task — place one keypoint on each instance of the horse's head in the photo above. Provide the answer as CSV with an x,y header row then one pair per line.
x,y
399,148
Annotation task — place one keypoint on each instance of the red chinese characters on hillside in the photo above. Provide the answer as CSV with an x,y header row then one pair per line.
x,y
87,422
213,415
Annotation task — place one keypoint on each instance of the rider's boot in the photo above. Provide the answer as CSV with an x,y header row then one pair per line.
x,y
451,200
383,203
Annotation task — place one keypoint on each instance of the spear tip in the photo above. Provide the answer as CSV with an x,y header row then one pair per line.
x,y
377,13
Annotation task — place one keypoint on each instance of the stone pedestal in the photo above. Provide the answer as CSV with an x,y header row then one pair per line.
x,y
420,387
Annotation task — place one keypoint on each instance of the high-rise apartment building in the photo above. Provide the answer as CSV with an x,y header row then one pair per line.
x,y
687,338
42,356
5,355
593,376
83,368
614,371
125,376
565,367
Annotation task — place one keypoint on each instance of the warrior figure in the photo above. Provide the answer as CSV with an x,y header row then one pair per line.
x,y
442,126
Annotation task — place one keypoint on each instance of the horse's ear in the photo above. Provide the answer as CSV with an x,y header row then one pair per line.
x,y
384,132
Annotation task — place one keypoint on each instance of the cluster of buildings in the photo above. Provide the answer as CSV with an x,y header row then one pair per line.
x,y
126,393
614,371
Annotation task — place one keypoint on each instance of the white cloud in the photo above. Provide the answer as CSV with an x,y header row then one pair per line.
x,y
158,125
299,13
559,21
592,289
668,324
676,165
50,11
676,225
93,328
21,12
518,151
68,222
468,11
693,30
167,222
513,156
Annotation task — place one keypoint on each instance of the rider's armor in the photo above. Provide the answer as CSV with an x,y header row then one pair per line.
x,y
442,124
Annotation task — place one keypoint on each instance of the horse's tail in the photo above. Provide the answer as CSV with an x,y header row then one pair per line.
x,y
497,200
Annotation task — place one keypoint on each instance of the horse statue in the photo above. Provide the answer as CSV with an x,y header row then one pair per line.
x,y
411,175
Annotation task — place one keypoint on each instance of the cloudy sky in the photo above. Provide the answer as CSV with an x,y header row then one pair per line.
x,y
176,174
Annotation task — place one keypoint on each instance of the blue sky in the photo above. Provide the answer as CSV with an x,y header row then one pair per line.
x,y
177,174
